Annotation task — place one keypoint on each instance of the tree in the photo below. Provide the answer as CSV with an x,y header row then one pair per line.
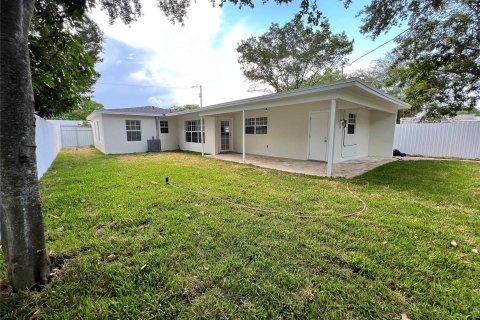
x,y
285,57
326,77
63,54
475,111
22,230
23,240
85,108
438,57
380,76
184,107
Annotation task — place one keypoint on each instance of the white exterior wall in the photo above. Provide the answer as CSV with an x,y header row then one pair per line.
x,y
113,133
288,130
98,132
382,131
287,136
349,147
209,146
169,141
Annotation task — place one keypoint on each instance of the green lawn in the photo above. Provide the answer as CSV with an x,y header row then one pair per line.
x,y
179,254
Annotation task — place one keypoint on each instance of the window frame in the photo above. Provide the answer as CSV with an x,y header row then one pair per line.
x,y
163,124
249,126
256,125
133,126
352,123
193,128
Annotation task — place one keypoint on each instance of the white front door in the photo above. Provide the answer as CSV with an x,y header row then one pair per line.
x,y
318,136
225,135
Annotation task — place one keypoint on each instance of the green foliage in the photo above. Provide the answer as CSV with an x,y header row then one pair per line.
x,y
81,113
438,59
177,10
284,58
184,107
380,76
475,111
65,45
326,77
63,53
182,255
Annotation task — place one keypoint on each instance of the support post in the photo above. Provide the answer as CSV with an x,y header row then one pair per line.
x,y
243,136
202,133
331,137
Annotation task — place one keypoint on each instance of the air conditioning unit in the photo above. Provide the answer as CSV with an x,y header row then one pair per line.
x,y
153,145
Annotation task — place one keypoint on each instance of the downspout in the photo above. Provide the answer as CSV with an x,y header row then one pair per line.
x,y
157,128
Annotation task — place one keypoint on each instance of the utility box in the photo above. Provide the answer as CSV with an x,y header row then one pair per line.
x,y
153,145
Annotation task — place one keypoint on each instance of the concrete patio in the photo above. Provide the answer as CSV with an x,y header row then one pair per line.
x,y
347,169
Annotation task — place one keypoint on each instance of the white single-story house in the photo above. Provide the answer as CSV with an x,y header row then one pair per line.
x,y
335,122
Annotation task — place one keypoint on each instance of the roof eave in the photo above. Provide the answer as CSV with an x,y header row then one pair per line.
x,y
269,97
399,103
139,114
355,82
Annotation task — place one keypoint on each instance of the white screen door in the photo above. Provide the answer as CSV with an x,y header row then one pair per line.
x,y
225,133
318,136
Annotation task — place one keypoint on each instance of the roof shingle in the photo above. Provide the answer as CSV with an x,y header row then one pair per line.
x,y
150,110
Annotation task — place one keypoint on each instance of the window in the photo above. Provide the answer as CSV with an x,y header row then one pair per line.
x,y
250,125
256,125
351,123
163,126
261,125
134,130
193,131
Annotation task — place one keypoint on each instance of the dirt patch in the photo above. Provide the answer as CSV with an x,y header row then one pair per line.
x,y
353,267
81,151
305,296
58,263
192,288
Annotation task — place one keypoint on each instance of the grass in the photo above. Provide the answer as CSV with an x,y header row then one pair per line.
x,y
178,254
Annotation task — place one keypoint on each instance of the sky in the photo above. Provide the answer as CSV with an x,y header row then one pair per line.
x,y
154,62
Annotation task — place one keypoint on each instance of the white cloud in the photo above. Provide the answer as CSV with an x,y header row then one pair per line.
x,y
140,75
185,56
359,65
155,101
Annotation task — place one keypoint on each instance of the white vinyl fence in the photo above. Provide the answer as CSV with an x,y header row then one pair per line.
x,y
53,135
48,142
450,140
74,136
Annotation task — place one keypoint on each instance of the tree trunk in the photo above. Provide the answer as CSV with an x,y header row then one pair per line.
x,y
22,230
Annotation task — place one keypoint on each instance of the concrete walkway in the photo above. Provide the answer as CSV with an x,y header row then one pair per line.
x,y
347,169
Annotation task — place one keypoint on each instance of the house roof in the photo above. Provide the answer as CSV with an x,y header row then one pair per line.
x,y
150,110
351,83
